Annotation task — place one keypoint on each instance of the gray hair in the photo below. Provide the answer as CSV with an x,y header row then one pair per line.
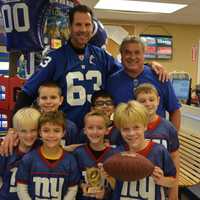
x,y
132,39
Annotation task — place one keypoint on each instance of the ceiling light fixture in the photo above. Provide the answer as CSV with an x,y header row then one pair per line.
x,y
139,6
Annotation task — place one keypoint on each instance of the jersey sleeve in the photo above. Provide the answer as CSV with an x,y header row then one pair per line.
x,y
161,158
75,173
44,74
3,161
24,23
112,64
173,138
72,133
168,167
24,170
171,101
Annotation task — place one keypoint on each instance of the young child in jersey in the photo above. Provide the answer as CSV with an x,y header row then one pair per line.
x,y
132,119
94,184
50,99
159,129
102,101
25,123
48,172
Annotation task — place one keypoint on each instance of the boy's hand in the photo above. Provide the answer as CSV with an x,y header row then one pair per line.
x,y
158,175
98,195
10,141
84,188
71,147
160,71
104,174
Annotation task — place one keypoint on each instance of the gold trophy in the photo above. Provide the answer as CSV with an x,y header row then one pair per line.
x,y
94,179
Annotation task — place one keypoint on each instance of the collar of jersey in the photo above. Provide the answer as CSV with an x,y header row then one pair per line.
x,y
152,125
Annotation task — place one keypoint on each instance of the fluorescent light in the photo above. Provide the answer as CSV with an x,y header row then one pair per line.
x,y
139,6
4,65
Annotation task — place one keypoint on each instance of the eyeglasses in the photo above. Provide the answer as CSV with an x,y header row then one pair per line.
x,y
101,103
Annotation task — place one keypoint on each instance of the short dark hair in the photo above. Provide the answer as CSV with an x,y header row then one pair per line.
x,y
100,93
97,113
56,117
50,84
79,8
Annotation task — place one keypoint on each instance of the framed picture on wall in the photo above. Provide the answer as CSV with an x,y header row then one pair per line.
x,y
158,46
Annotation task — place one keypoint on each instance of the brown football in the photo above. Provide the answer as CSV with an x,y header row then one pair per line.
x,y
128,167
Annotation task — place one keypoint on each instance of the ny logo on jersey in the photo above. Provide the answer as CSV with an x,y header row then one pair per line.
x,y
143,188
164,142
48,187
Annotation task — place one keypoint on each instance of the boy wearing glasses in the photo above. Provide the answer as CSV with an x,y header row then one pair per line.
x,y
103,101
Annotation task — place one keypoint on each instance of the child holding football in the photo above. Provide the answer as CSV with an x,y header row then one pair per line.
x,y
132,119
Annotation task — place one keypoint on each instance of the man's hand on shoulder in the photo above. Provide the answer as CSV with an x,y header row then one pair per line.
x,y
10,141
162,73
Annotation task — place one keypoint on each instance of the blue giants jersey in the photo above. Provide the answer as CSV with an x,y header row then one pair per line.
x,y
146,188
122,86
45,179
23,23
163,132
78,76
86,159
8,169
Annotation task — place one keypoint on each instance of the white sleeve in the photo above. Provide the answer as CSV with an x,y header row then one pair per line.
x,y
22,191
1,181
71,193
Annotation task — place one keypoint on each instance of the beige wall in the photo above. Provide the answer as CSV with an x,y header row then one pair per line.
x,y
184,38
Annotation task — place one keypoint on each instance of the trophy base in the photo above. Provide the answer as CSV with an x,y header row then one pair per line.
x,y
93,189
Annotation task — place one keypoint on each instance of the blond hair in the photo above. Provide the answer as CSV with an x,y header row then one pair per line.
x,y
129,114
145,88
99,114
25,117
